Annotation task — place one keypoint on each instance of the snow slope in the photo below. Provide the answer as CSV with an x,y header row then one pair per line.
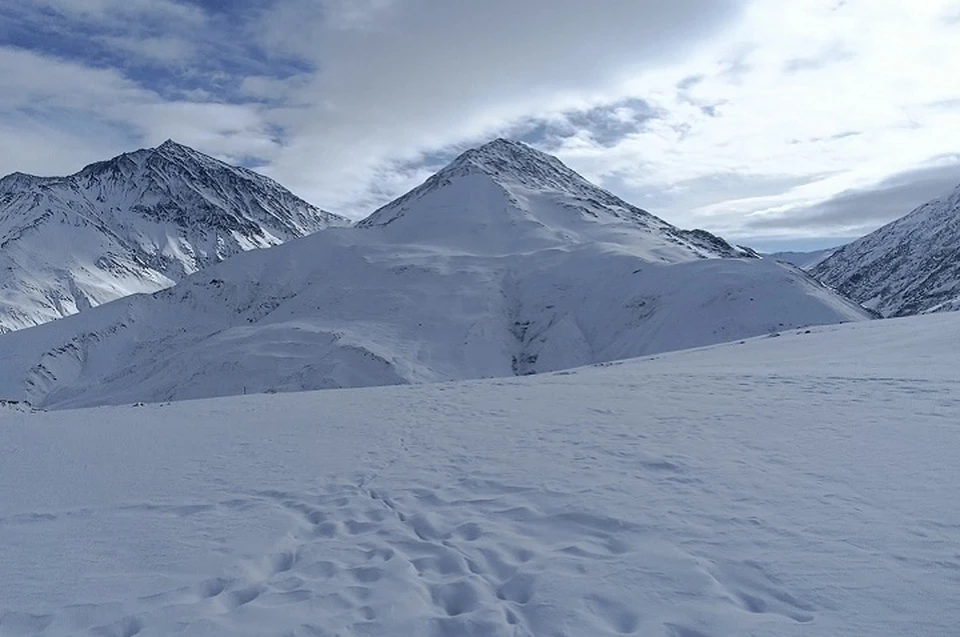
x,y
489,269
907,267
803,485
506,197
136,223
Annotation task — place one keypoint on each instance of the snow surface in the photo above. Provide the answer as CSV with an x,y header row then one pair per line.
x,y
792,486
134,224
907,267
505,263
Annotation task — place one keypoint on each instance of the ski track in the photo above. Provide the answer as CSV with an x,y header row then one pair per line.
x,y
603,501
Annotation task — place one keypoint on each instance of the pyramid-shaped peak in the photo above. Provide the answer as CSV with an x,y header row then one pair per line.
x,y
504,153
516,163
167,153
502,146
173,146
507,193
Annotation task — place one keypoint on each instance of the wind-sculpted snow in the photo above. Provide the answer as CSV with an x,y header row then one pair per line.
x,y
475,276
910,266
795,486
136,223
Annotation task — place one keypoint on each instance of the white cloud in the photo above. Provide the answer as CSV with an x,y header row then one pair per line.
x,y
58,115
173,51
425,74
853,92
118,11
710,115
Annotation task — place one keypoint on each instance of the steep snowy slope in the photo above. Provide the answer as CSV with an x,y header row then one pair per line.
x,y
907,267
136,223
801,486
494,267
506,197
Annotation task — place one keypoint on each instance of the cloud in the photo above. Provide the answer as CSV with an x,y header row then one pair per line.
x,y
330,96
857,211
879,109
740,116
117,12
54,109
422,75
158,50
830,54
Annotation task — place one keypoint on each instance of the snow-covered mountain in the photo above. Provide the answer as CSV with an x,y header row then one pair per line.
x,y
801,486
910,266
504,263
506,197
803,260
136,223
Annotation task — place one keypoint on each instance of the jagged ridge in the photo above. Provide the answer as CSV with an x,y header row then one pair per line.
x,y
134,223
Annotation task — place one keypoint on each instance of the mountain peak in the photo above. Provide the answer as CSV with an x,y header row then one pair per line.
x,y
172,147
18,181
171,150
502,147
515,162
506,195
509,166
139,165
138,222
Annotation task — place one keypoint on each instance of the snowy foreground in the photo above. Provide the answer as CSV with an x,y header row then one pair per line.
x,y
799,485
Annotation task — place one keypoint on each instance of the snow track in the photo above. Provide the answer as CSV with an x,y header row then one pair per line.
x,y
804,486
477,558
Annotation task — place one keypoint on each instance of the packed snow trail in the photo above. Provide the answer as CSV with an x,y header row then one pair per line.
x,y
800,485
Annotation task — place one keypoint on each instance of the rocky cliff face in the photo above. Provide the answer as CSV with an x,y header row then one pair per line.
x,y
910,266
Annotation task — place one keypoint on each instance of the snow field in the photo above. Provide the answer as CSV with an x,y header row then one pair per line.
x,y
798,485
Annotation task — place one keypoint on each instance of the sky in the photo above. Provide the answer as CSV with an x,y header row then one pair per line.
x,y
782,125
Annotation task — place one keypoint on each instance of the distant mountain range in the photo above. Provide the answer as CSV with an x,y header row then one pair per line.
x,y
137,223
910,266
803,260
504,263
